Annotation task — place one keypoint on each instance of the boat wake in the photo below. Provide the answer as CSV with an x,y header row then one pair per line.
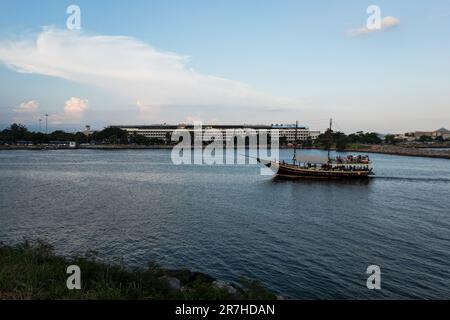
x,y
412,179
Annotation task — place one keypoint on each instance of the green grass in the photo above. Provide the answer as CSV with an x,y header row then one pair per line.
x,y
357,146
31,270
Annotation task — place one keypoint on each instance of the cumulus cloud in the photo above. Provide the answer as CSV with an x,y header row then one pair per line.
x,y
147,108
27,107
26,112
133,69
74,109
386,24
72,112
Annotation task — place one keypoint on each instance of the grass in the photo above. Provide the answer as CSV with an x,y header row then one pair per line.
x,y
31,270
357,146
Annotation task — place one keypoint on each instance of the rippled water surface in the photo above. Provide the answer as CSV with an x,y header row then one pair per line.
x,y
303,239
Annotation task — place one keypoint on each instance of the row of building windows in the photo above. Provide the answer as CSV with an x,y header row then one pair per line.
x,y
289,133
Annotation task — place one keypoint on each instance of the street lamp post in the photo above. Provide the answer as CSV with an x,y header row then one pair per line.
x,y
46,123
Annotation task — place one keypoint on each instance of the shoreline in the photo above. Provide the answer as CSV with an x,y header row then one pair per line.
x,y
416,151
403,151
42,274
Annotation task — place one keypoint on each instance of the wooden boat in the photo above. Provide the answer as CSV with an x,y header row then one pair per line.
x,y
313,167
328,171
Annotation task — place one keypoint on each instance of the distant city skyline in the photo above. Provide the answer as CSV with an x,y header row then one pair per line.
x,y
226,62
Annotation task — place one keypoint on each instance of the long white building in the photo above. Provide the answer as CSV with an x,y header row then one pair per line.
x,y
290,131
164,132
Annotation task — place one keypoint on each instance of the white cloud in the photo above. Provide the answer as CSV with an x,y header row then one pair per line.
x,y
147,108
192,119
27,107
74,109
386,24
26,112
128,67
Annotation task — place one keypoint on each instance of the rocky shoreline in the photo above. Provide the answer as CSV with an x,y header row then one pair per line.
x,y
31,270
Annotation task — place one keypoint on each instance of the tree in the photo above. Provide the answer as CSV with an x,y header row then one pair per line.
x,y
112,135
80,137
390,139
308,143
364,138
60,135
39,137
16,132
325,140
340,140
425,138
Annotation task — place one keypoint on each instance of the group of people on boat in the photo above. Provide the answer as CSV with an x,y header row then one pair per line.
x,y
346,167
350,159
348,163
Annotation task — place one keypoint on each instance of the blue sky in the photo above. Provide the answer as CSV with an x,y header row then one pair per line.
x,y
287,61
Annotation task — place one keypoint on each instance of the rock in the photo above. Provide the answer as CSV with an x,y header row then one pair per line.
x,y
225,285
187,276
173,283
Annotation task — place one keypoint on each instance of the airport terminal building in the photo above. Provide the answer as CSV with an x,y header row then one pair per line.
x,y
164,132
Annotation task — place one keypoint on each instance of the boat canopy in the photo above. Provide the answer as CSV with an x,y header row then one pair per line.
x,y
315,159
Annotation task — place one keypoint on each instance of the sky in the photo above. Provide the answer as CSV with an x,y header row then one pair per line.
x,y
226,62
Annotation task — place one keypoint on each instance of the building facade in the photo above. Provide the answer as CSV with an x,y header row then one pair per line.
x,y
164,132
443,133
291,131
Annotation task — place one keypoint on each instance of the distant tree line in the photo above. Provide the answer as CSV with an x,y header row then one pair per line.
x,y
18,133
340,140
